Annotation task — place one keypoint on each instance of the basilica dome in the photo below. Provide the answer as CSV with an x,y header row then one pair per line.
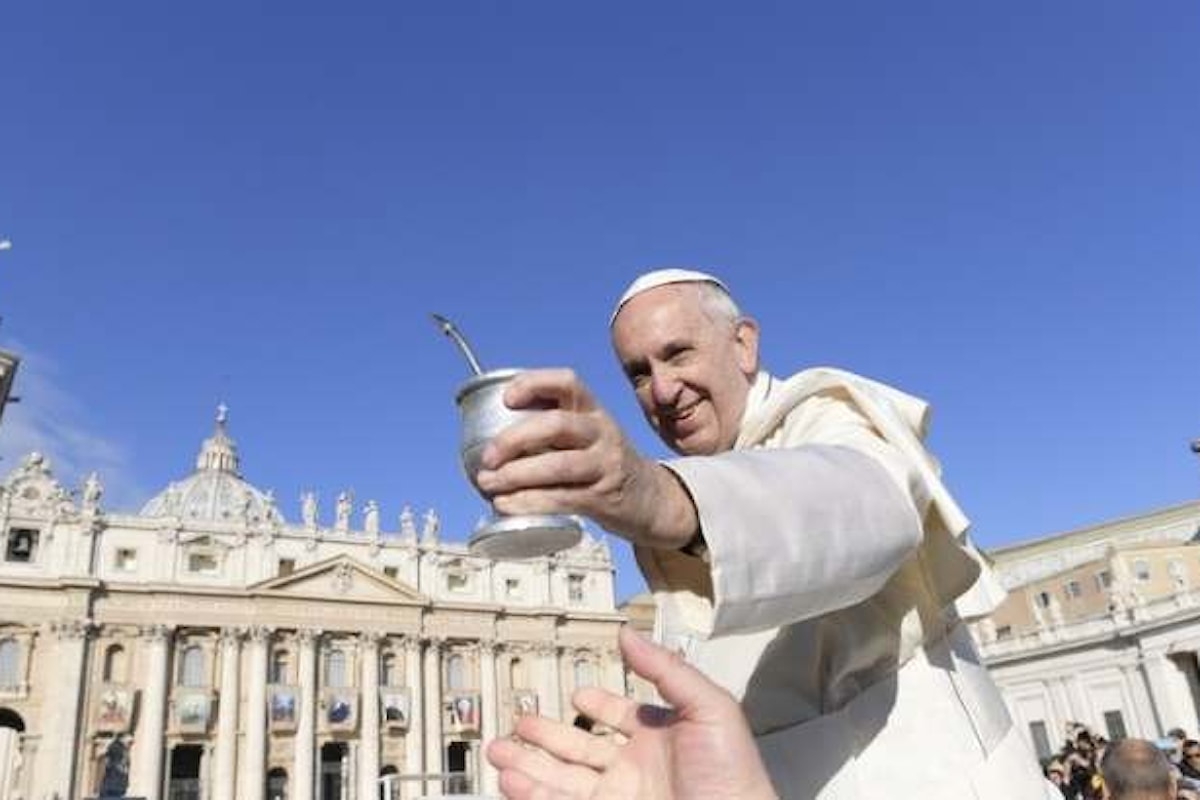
x,y
216,491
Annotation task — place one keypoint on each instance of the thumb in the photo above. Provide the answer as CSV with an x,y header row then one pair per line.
x,y
679,683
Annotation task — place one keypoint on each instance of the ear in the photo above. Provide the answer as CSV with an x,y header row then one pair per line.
x,y
745,334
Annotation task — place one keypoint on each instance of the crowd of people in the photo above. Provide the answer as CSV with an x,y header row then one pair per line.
x,y
1090,767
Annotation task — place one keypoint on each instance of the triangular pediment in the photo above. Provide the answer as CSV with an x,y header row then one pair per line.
x,y
342,578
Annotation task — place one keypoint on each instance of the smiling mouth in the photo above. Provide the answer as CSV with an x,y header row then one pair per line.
x,y
683,414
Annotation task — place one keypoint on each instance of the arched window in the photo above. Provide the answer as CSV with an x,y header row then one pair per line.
x,y
389,670
281,670
11,719
335,669
191,666
456,673
585,673
517,677
10,664
389,786
277,784
114,664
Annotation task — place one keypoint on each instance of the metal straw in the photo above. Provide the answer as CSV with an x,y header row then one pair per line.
x,y
447,327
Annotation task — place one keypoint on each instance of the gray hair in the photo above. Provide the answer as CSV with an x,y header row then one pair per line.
x,y
717,304
1134,769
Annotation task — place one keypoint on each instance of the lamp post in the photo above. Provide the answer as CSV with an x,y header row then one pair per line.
x,y
8,361
8,370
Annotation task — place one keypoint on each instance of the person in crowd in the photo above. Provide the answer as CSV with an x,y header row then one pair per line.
x,y
1134,769
1189,763
803,551
1056,773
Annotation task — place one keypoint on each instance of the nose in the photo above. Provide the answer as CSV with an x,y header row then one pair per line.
x,y
664,387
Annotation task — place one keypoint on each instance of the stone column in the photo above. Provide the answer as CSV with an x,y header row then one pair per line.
x,y
147,757
1144,723
551,683
304,765
254,776
489,709
350,771
1060,706
206,758
1168,691
368,761
612,671
433,712
227,713
413,751
60,744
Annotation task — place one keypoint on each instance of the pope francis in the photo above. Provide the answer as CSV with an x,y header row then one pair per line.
x,y
802,551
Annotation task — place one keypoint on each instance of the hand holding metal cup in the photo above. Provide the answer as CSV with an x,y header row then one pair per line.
x,y
483,414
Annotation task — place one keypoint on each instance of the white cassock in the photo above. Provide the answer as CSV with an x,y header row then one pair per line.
x,y
827,600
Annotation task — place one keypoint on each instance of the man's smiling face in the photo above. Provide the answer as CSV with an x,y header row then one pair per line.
x,y
690,368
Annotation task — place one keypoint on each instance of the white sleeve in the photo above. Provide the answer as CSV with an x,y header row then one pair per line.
x,y
800,531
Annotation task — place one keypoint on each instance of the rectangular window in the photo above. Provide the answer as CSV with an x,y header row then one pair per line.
x,y
202,563
1141,570
125,559
10,664
335,669
1004,632
1103,580
456,581
575,588
21,546
287,566
512,587
1043,599
1115,723
390,572
1073,590
1041,740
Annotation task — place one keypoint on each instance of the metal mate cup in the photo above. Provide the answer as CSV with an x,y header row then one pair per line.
x,y
483,415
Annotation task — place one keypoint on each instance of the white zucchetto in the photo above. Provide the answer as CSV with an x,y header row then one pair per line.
x,y
662,277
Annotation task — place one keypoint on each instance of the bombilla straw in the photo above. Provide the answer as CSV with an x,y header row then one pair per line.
x,y
447,327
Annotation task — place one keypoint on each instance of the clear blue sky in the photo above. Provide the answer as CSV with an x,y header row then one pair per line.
x,y
995,206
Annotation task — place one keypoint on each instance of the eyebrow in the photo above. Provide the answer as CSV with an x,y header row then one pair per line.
x,y
668,348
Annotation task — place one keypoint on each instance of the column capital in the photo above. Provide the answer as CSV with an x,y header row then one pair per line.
x,y
435,642
370,639
232,635
260,634
309,636
487,646
156,632
411,644
547,649
68,629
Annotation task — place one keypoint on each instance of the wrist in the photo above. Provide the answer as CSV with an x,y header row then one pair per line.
x,y
676,521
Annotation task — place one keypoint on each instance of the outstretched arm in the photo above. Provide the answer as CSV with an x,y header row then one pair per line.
x,y
699,748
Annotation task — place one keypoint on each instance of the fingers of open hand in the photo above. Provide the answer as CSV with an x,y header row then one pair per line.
x,y
516,785
618,713
530,771
679,683
567,743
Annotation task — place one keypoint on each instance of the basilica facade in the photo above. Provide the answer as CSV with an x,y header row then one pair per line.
x,y
206,647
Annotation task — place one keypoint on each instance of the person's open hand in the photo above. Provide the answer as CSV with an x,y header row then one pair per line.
x,y
702,748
